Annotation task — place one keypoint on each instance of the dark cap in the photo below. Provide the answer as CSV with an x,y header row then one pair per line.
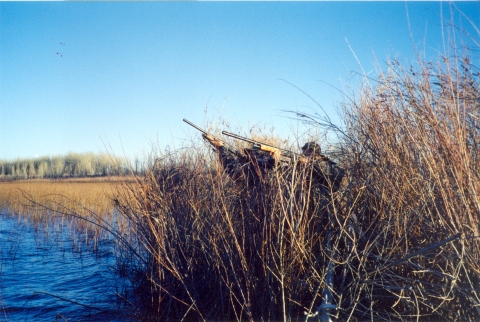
x,y
314,146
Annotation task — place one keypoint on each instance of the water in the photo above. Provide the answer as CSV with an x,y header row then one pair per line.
x,y
48,273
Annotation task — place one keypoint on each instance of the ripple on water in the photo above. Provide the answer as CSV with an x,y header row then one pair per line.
x,y
45,275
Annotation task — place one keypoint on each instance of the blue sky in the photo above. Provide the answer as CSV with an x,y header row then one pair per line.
x,y
78,75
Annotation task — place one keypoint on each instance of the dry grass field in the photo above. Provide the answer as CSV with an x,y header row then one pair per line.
x,y
85,202
20,196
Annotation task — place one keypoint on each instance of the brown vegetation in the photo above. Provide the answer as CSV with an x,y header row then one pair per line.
x,y
404,228
415,180
223,250
84,202
58,195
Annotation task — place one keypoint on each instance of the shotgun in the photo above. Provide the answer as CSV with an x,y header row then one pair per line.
x,y
209,136
264,146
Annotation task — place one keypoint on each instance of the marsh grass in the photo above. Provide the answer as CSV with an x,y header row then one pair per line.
x,y
84,204
213,243
416,181
402,233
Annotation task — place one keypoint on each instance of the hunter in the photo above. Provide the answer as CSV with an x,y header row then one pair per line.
x,y
326,173
251,164
320,178
256,164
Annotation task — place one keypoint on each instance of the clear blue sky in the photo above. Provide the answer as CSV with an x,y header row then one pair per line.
x,y
74,75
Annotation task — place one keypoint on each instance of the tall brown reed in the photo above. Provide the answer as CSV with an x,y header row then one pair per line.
x,y
402,229
415,181
86,203
222,249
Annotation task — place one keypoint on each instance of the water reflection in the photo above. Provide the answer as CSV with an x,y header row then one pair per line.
x,y
48,272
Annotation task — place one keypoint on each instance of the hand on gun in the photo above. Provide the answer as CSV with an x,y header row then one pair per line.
x,y
213,141
275,154
304,159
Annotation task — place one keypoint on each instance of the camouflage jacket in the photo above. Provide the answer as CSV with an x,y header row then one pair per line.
x,y
327,174
252,165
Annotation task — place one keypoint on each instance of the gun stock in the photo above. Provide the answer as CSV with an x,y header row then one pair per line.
x,y
263,146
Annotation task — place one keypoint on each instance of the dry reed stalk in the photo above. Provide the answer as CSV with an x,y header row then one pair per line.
x,y
214,249
87,203
416,166
213,243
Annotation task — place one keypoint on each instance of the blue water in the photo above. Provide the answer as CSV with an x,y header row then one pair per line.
x,y
48,272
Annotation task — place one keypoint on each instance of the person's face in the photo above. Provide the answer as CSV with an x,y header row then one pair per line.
x,y
307,152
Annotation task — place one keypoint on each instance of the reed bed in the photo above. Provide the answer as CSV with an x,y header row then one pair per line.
x,y
413,155
402,232
221,250
85,202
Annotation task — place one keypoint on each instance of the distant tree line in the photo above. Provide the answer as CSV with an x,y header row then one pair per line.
x,y
71,165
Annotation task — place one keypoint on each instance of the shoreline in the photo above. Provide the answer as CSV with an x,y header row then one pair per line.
x,y
98,179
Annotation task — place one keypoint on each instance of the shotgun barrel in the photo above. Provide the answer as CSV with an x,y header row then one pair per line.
x,y
209,135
